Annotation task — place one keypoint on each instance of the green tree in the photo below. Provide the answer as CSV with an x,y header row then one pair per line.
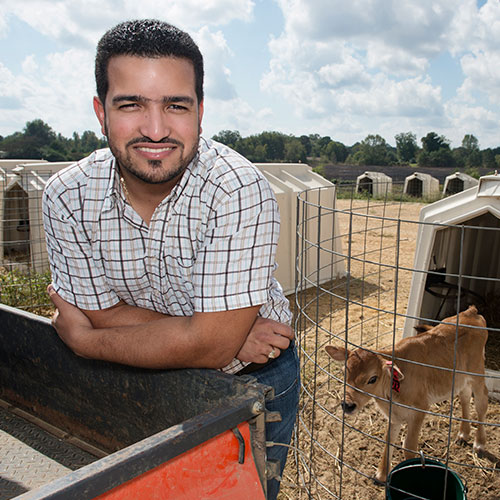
x,y
228,137
245,147
306,142
295,151
436,152
441,158
14,146
336,152
460,157
275,144
373,150
432,142
90,142
56,151
259,154
470,143
406,146
488,159
28,144
39,130
315,147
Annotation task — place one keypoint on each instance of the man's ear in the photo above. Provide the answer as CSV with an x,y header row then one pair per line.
x,y
99,112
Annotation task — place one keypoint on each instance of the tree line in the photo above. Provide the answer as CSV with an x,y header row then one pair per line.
x,y
434,151
39,141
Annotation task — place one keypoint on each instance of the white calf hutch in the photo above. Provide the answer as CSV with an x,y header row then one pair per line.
x,y
287,180
421,185
375,184
22,239
457,261
9,164
458,182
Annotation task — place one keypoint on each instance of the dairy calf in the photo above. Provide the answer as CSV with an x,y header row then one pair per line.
x,y
371,373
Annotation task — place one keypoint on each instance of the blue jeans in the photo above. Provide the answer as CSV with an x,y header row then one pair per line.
x,y
284,375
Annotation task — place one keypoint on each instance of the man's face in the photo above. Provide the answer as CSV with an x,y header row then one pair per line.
x,y
151,116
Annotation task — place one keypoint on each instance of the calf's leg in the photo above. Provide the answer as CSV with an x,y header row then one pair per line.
x,y
412,433
385,462
481,403
464,433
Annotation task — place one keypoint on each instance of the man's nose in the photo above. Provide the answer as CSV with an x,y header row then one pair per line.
x,y
155,124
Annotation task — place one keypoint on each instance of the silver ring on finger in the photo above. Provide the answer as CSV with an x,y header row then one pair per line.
x,y
272,354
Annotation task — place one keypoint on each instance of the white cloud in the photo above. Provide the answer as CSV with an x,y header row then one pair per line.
x,y
338,68
368,61
394,60
482,72
350,71
4,28
49,89
481,61
215,54
474,29
411,98
234,114
414,26
6,80
30,65
465,119
78,23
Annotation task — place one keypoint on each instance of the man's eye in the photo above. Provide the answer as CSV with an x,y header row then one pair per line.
x,y
177,107
131,105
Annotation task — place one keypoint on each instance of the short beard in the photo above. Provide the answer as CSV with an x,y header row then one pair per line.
x,y
156,175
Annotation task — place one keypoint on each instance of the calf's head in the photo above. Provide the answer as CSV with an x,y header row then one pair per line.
x,y
367,374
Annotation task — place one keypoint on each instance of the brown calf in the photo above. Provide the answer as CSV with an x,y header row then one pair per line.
x,y
371,373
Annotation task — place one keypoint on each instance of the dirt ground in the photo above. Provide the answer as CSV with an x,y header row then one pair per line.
x,y
337,458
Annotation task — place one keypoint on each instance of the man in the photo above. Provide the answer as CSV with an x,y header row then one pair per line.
x,y
162,248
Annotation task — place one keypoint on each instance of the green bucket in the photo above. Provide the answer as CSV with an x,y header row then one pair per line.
x,y
424,479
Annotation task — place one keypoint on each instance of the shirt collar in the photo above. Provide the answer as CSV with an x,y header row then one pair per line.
x,y
114,192
116,196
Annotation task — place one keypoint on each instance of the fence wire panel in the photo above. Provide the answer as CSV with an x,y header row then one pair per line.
x,y
24,268
367,306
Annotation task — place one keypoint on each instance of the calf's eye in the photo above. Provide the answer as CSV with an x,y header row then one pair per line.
x,y
372,380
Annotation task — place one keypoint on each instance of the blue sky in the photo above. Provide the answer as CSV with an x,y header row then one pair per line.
x,y
337,68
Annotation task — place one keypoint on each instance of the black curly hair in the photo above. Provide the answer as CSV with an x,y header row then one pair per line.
x,y
146,38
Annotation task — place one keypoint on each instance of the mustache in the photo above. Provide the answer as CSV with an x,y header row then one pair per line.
x,y
165,140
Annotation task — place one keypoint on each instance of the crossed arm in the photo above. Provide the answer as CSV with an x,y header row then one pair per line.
x,y
144,338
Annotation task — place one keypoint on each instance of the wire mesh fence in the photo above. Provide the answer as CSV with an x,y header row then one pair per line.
x,y
387,288
357,272
24,269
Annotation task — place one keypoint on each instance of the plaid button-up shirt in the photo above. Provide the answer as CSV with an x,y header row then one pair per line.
x,y
210,245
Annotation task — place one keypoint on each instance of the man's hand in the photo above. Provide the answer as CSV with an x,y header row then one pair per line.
x,y
72,326
265,336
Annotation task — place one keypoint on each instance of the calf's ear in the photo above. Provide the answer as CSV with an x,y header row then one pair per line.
x,y
389,367
336,353
422,328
